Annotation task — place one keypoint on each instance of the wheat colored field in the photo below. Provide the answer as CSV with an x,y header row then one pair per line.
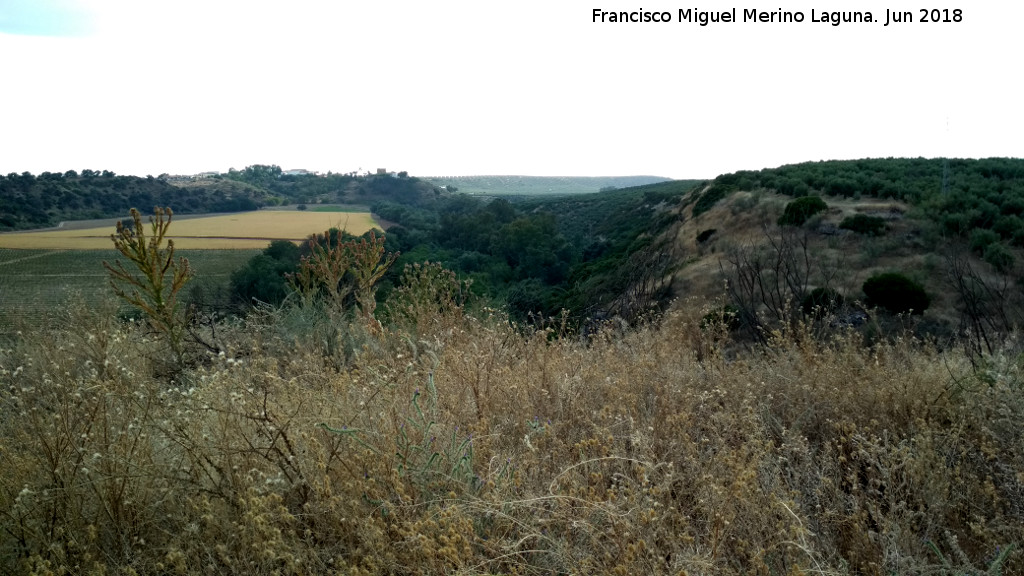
x,y
244,230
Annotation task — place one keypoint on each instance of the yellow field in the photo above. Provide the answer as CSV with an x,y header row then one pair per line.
x,y
244,230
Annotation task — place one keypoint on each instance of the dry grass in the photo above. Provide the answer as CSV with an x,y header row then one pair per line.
x,y
244,230
478,448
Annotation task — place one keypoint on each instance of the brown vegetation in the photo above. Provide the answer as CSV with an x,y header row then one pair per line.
x,y
464,445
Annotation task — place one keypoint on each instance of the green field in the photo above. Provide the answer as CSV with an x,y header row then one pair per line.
x,y
36,284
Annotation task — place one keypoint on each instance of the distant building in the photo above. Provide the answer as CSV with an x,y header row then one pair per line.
x,y
382,171
296,172
206,175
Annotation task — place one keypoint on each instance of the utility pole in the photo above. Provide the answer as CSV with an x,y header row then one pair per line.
x,y
945,163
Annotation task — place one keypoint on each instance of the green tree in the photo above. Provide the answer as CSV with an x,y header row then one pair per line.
x,y
999,257
263,278
896,293
800,210
864,224
981,239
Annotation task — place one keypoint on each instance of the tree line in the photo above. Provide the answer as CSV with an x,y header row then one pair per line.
x,y
29,201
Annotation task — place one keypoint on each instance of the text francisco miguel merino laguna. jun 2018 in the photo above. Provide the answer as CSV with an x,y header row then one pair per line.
x,y
753,15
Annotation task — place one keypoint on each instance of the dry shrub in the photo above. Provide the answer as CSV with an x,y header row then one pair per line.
x,y
475,447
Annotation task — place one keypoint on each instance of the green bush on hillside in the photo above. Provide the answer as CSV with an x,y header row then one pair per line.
x,y
896,293
981,239
709,198
1009,226
999,257
800,210
864,224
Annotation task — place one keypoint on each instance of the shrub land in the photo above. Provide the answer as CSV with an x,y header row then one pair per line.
x,y
313,438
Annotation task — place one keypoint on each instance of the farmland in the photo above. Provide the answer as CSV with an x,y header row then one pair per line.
x,y
41,270
34,284
237,231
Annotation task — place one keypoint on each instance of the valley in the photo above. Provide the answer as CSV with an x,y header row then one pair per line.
x,y
813,368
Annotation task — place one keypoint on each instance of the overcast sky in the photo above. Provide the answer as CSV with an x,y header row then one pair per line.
x,y
494,87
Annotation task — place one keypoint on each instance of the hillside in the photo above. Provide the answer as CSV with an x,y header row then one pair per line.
x,y
539,185
620,239
954,229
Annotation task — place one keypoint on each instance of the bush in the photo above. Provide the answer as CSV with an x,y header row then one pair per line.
x,y
799,210
705,235
429,297
821,301
263,277
727,316
709,198
981,239
999,257
896,293
864,224
1008,226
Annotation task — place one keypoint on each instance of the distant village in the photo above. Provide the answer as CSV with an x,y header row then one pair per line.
x,y
293,172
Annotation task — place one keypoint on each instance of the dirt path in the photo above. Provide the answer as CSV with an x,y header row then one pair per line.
x,y
23,258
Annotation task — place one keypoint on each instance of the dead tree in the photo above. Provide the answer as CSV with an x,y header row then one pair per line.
x,y
986,304
766,282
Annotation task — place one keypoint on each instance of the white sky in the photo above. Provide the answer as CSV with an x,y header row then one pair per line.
x,y
459,87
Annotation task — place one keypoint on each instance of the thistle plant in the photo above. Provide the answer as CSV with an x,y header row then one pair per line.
x,y
369,264
352,267
324,271
157,281
428,296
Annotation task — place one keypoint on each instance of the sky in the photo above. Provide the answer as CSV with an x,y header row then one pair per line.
x,y
460,87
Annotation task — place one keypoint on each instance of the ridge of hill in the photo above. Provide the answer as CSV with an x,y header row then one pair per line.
x,y
539,185
28,201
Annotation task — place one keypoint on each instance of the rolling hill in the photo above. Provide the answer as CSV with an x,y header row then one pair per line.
x,y
539,185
